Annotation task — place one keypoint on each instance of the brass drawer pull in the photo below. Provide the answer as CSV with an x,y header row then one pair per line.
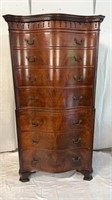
x,y
36,123
77,123
31,79
31,58
30,42
34,161
77,42
35,141
78,59
35,99
77,98
78,79
76,141
76,159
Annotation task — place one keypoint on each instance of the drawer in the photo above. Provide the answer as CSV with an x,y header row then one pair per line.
x,y
32,40
57,98
54,77
56,140
57,57
56,161
55,121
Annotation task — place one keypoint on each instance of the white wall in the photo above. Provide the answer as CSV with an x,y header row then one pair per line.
x,y
7,104
83,7
103,127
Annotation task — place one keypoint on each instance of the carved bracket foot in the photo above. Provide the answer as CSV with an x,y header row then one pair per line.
x,y
87,174
24,176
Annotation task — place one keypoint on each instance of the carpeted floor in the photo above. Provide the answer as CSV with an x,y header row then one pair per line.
x,y
63,186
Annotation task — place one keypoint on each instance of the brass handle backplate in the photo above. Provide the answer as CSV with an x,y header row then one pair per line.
x,y
76,159
78,79
79,42
32,79
30,42
77,123
31,59
76,141
35,141
34,161
34,99
35,123
78,58
77,98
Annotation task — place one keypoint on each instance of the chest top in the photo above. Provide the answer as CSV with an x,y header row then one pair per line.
x,y
54,21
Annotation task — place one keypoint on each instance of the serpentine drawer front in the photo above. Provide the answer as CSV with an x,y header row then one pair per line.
x,y
54,77
54,64
48,57
47,38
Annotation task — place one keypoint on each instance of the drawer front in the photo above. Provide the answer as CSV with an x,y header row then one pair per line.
x,y
55,98
53,141
56,161
54,38
46,121
54,57
55,77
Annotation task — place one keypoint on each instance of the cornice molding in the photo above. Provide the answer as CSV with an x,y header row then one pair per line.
x,y
53,17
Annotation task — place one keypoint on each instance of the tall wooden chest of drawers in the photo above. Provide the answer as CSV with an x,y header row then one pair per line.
x,y
54,62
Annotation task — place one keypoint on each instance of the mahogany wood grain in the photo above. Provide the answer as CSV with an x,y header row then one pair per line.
x,y
57,98
55,140
54,57
64,77
31,40
56,161
55,121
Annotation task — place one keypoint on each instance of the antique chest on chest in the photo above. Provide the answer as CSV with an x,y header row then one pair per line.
x,y
54,63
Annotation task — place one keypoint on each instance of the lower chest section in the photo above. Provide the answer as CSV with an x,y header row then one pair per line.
x,y
55,141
